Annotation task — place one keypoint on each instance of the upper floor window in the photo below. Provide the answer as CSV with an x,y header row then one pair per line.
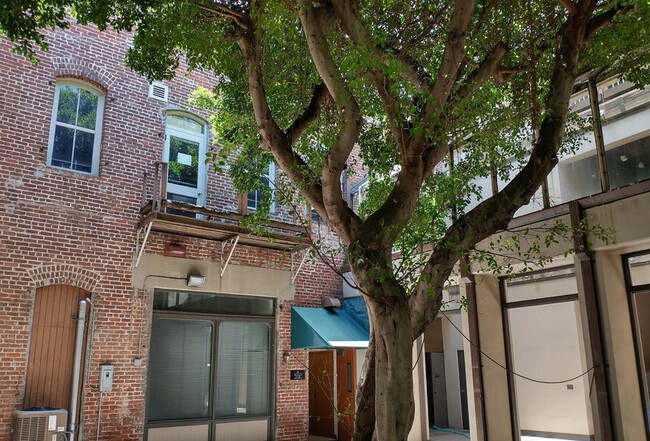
x,y
267,181
75,134
359,193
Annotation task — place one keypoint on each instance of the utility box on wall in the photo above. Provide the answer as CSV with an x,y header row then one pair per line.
x,y
106,378
38,424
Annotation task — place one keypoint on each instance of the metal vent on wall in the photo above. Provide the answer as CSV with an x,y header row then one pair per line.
x,y
158,91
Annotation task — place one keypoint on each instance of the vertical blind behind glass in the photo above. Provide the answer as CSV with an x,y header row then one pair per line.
x,y
243,369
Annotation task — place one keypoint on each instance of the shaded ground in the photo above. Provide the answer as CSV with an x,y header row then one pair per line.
x,y
444,435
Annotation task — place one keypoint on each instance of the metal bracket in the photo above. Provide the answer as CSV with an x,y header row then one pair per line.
x,y
302,262
139,248
233,241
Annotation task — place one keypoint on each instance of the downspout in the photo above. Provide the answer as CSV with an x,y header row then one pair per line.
x,y
76,370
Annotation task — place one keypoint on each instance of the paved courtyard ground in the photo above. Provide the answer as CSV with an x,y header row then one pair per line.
x,y
452,435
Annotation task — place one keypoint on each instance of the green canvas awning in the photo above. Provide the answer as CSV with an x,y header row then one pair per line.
x,y
320,328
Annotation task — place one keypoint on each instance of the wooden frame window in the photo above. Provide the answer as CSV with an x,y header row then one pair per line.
x,y
254,197
75,133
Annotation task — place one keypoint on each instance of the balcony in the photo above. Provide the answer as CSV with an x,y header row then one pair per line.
x,y
160,214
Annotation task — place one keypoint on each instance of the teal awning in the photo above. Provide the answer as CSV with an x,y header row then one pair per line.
x,y
320,328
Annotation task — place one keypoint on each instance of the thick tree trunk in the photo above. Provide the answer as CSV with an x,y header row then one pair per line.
x,y
394,405
364,421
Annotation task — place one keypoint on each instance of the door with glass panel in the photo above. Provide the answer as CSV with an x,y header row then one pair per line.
x,y
210,375
185,148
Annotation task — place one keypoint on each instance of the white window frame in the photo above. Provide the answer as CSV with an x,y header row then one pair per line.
x,y
94,169
359,192
271,177
199,193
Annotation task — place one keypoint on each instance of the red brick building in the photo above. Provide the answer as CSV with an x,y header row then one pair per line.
x,y
83,225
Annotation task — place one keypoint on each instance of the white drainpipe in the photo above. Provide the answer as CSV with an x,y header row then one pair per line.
x,y
76,370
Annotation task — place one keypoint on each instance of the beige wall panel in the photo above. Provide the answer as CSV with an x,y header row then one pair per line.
x,y
242,431
555,249
630,219
237,279
240,279
186,433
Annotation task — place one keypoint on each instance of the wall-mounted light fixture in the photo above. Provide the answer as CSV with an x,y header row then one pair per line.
x,y
195,281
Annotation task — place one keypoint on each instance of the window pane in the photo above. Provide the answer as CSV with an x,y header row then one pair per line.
x,y
67,110
546,345
183,162
243,369
179,376
253,198
579,178
629,163
639,267
83,151
87,109
211,303
185,122
62,147
551,283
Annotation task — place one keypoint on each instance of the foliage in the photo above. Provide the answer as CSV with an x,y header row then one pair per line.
x,y
437,96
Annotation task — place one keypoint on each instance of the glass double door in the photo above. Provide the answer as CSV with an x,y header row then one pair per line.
x,y
206,371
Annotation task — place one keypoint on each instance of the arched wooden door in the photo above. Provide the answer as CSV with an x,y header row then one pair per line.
x,y
51,349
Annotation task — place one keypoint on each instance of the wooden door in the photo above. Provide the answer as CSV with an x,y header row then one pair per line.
x,y
51,349
346,386
321,393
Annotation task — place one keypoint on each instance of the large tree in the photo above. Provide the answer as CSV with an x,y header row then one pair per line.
x,y
407,81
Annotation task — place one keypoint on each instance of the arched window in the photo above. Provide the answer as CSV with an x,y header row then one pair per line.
x,y
75,134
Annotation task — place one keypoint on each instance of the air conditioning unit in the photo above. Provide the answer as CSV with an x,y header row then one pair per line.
x,y
39,424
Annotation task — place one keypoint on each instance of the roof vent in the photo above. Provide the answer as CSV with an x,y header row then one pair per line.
x,y
330,302
158,91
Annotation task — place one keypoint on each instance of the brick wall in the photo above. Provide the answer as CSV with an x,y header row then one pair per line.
x,y
62,227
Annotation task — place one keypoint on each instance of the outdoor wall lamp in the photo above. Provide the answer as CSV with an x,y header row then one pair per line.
x,y
195,281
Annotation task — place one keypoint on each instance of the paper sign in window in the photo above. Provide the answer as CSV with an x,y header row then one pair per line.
x,y
184,159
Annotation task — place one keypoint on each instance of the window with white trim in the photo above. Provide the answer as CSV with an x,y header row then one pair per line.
x,y
75,133
359,193
267,180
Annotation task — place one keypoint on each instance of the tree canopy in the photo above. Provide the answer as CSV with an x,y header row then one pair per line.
x,y
406,82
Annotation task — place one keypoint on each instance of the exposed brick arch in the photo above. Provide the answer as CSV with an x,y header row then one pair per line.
x,y
64,274
82,69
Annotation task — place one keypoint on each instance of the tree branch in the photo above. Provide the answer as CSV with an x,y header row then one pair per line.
x,y
353,27
310,113
488,68
452,60
337,211
238,17
495,213
479,23
453,54
272,138
600,21
569,6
